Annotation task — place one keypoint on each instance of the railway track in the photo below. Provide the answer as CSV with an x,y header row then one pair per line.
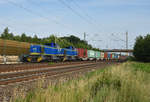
x,y
28,78
29,66
15,77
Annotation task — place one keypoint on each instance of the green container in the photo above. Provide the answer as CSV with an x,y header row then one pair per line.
x,y
97,54
113,55
91,54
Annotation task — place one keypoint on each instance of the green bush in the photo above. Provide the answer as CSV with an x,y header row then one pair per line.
x,y
61,41
142,48
145,67
131,58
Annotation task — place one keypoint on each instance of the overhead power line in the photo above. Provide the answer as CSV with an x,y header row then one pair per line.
x,y
74,11
36,14
40,7
85,16
26,9
48,11
5,25
69,7
83,11
117,38
47,18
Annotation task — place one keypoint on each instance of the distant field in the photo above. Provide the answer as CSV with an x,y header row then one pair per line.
x,y
128,82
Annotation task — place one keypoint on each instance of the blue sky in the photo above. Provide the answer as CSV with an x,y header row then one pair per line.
x,y
107,17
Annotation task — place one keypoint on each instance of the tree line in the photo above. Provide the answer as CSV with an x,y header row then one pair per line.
x,y
61,41
142,48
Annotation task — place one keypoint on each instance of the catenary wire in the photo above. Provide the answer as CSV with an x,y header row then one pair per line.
x,y
37,14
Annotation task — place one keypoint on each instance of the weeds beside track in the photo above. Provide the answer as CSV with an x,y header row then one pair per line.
x,y
9,83
121,83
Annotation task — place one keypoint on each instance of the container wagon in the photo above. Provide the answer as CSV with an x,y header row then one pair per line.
x,y
97,55
113,56
82,54
102,56
91,55
105,56
109,56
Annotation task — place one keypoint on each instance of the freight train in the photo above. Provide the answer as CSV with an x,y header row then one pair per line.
x,y
52,52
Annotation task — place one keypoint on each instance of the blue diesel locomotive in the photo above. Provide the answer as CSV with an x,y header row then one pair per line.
x,y
51,52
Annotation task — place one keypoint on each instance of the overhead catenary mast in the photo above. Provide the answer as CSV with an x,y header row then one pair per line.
x,y
127,40
84,36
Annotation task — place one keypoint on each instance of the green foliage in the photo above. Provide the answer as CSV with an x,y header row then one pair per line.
x,y
107,82
141,66
142,48
131,58
61,41
7,35
76,42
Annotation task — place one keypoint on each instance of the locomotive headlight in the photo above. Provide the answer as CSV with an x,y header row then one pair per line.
x,y
29,59
39,59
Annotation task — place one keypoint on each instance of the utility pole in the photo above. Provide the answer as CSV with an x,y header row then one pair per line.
x,y
127,41
84,36
55,38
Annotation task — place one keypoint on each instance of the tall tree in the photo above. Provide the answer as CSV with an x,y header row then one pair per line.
x,y
142,48
24,37
5,34
35,39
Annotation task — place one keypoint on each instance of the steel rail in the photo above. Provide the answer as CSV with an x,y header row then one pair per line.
x,y
43,69
50,72
12,68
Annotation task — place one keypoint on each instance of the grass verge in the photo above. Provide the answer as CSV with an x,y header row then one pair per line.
x,y
121,83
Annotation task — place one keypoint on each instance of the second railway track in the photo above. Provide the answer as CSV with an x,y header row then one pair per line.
x,y
15,77
28,66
